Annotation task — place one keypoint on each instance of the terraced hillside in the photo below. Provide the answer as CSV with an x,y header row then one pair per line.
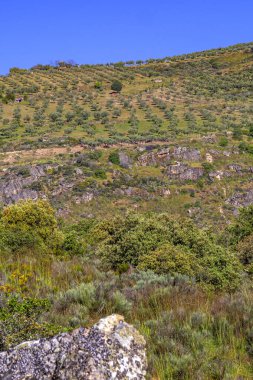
x,y
133,206
177,138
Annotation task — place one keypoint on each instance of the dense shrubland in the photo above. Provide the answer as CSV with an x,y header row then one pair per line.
x,y
188,292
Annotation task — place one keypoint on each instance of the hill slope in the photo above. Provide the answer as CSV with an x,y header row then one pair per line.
x,y
177,138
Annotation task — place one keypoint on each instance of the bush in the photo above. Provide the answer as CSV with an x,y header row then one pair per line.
x,y
98,86
245,252
72,244
100,173
116,86
83,294
114,158
242,226
19,320
164,245
223,141
30,225
169,259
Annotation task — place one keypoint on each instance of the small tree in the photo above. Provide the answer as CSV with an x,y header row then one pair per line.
x,y
30,225
116,86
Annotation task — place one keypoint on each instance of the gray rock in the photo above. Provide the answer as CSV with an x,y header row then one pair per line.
x,y
14,186
133,192
211,139
111,349
124,160
165,155
186,154
241,199
184,172
152,158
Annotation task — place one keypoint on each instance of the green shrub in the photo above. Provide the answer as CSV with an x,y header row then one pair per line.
x,y
242,226
20,320
100,173
245,252
164,245
98,86
116,86
72,244
223,141
114,158
171,259
83,294
120,303
30,225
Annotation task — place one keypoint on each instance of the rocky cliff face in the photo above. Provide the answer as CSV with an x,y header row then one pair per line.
x,y
111,349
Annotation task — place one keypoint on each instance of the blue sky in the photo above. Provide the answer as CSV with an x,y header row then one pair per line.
x,y
97,31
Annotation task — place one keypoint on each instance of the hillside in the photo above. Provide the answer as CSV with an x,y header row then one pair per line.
x,y
137,201
161,99
177,138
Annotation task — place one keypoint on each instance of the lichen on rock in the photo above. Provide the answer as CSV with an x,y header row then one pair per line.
x,y
111,349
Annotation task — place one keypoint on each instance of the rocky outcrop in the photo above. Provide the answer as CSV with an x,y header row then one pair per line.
x,y
133,192
210,139
124,160
186,154
111,349
232,170
241,199
184,172
153,158
165,155
86,197
17,184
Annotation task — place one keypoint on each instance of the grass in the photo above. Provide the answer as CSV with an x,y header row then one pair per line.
x,y
190,333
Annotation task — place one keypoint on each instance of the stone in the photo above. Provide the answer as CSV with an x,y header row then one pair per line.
x,y
209,158
184,172
15,187
165,155
124,160
133,192
241,199
186,154
111,349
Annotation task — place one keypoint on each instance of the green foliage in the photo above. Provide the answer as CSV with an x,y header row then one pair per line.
x,y
19,320
171,259
223,142
114,158
95,155
208,167
245,252
100,173
30,225
165,245
98,86
242,226
73,244
83,294
116,86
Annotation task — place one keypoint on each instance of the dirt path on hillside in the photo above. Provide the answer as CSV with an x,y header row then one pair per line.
x,y
11,157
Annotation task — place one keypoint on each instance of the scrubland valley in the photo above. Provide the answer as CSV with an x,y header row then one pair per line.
x,y
128,188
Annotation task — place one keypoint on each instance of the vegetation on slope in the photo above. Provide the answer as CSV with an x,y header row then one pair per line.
x,y
160,99
186,292
145,166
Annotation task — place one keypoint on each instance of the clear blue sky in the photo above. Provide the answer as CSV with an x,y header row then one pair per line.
x,y
96,31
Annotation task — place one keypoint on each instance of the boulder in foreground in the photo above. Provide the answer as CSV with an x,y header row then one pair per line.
x,y
111,349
